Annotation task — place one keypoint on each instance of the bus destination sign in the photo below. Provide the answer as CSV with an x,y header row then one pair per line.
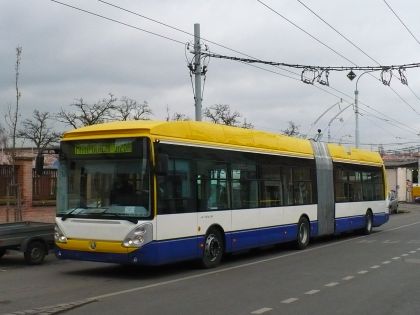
x,y
103,148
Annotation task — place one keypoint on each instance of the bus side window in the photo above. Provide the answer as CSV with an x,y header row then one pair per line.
x,y
175,194
212,186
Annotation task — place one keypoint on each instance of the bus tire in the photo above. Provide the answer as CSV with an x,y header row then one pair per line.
x,y
368,223
214,247
303,233
35,253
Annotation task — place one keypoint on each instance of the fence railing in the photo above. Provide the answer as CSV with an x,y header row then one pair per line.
x,y
44,186
7,190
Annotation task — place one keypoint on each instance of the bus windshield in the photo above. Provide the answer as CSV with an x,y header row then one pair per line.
x,y
107,179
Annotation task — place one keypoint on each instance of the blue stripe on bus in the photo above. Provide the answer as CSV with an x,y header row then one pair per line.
x,y
380,218
170,251
358,222
92,256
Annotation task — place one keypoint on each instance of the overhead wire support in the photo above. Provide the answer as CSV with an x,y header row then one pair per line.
x,y
317,68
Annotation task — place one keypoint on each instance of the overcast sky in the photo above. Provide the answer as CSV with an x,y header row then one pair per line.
x,y
68,54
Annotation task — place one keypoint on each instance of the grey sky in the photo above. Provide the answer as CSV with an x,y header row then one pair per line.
x,y
69,54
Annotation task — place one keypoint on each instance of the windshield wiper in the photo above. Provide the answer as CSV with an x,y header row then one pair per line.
x,y
118,216
68,214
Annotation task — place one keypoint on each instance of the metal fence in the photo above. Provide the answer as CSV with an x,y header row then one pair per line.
x,y
6,173
44,186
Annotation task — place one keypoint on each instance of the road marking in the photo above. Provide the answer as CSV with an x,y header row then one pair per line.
x,y
395,258
366,241
413,242
362,272
375,267
262,310
386,262
54,309
288,301
312,292
390,242
418,248
404,255
332,284
1,270
348,278
413,251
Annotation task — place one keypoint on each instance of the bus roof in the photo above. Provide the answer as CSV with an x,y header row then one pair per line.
x,y
220,136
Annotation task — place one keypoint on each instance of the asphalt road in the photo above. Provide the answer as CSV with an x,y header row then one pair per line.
x,y
348,274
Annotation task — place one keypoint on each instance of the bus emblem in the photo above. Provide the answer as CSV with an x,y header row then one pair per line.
x,y
92,245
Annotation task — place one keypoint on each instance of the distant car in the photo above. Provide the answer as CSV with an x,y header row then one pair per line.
x,y
393,202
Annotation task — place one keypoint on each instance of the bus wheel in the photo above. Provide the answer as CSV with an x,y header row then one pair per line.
x,y
303,233
368,223
213,249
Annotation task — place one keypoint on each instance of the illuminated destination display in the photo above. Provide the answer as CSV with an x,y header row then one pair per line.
x,y
103,148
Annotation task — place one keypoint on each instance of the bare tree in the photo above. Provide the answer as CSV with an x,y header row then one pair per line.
x,y
247,125
13,114
128,109
176,116
180,117
38,130
3,138
88,114
292,130
222,114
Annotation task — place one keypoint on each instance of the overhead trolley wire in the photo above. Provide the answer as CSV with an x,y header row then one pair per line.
x,y
118,22
188,33
363,52
383,68
338,32
401,21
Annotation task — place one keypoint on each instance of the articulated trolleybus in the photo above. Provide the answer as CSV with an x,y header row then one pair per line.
x,y
151,193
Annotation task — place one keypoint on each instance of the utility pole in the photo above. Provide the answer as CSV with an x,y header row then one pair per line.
x,y
197,71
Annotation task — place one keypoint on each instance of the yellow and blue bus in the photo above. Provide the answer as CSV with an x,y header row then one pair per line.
x,y
152,193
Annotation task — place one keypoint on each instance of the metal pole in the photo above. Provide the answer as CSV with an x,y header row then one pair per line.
x,y
356,112
197,72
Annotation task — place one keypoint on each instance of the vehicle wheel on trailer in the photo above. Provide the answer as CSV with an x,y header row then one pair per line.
x,y
214,247
303,233
35,253
2,252
368,223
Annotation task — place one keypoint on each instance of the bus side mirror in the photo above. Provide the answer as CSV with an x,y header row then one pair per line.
x,y
162,164
39,164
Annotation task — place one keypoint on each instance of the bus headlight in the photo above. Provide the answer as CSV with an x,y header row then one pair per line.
x,y
139,236
59,236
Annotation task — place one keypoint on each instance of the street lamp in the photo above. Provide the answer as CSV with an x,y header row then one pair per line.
x,y
356,107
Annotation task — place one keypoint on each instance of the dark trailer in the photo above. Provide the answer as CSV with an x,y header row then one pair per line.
x,y
34,239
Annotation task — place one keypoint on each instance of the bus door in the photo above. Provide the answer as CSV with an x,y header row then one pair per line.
x,y
213,196
325,188
176,222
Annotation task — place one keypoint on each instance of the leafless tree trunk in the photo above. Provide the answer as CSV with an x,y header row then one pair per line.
x,y
12,115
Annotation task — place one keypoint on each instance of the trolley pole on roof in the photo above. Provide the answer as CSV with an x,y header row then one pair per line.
x,y
197,72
